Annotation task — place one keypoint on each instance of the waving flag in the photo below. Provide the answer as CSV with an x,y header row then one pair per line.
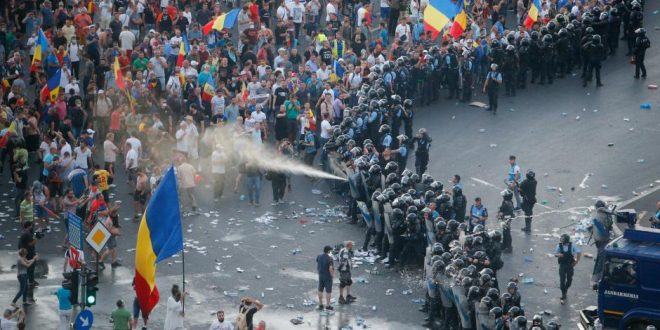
x,y
460,21
119,77
182,55
52,89
39,51
437,14
159,237
11,130
533,14
224,21
208,92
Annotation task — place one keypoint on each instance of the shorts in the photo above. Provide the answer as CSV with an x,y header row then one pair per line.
x,y
56,189
112,242
345,279
325,283
39,211
140,196
137,311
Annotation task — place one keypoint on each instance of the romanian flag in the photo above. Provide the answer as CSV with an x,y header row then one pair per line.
x,y
182,55
39,51
224,21
437,14
52,89
245,93
11,130
208,92
533,14
159,237
119,77
460,21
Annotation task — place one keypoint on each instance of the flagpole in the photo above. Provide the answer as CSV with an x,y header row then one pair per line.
x,y
183,260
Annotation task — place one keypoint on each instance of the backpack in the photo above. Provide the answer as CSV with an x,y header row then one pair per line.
x,y
241,319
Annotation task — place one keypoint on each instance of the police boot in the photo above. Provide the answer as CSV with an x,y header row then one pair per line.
x,y
528,226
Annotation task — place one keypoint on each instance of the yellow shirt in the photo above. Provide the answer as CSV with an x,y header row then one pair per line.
x,y
102,179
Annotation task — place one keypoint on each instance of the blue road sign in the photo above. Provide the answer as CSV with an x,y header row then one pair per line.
x,y
84,320
75,232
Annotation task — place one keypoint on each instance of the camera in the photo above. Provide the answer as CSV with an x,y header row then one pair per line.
x,y
39,235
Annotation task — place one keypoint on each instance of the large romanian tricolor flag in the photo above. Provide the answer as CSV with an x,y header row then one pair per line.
x,y
208,92
52,88
460,21
224,21
437,14
119,77
159,237
533,14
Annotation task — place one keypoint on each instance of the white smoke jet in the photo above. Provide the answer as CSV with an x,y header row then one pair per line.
x,y
238,143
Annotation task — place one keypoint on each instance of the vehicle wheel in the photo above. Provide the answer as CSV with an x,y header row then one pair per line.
x,y
637,326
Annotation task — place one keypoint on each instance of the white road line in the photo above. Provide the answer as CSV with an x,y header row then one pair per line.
x,y
583,184
485,183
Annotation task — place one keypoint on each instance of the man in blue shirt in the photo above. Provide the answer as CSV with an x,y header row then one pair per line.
x,y
325,269
568,255
64,302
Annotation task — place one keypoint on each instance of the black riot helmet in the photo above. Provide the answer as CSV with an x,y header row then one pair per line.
x,y
640,31
374,170
563,32
404,180
412,209
427,179
446,257
537,320
493,294
380,92
396,99
397,214
414,178
438,266
396,187
408,103
596,39
544,30
487,271
530,174
452,225
392,167
466,282
473,293
589,30
525,42
437,249
547,38
510,48
457,191
376,196
552,325
407,172
496,312
484,279
437,186
505,298
487,302
496,236
429,196
514,312
478,229
384,129
507,195
440,224
512,286
521,320
391,178
412,217
535,35
600,204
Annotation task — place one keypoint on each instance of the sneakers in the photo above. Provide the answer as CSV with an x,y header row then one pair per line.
x,y
342,301
350,298
329,308
320,307
14,305
115,264
101,265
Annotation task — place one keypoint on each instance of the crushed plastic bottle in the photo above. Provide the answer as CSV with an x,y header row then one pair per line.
x,y
645,105
528,280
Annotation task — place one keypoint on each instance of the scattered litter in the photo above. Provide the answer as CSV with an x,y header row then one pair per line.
x,y
230,294
296,321
645,105
547,312
589,255
641,160
308,303
604,186
631,129
564,114
482,130
479,105
240,270
270,289
653,86
419,301
407,292
528,280
389,292
493,145
595,110
296,251
316,192
373,308
626,119
528,259
610,144
453,117
290,306
577,118
512,109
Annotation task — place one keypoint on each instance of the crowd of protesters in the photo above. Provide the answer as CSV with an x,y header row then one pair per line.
x,y
337,79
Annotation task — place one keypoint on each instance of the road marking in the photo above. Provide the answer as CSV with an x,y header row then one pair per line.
x,y
583,184
636,198
485,183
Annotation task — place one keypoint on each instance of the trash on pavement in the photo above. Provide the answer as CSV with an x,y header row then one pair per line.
x,y
528,280
645,105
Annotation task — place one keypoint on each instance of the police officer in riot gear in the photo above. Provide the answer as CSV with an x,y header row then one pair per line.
x,y
450,61
423,146
510,70
459,204
595,52
527,190
547,59
524,61
642,43
635,22
467,70
505,214
568,255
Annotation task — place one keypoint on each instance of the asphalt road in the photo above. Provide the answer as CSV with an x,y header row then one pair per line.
x,y
564,151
